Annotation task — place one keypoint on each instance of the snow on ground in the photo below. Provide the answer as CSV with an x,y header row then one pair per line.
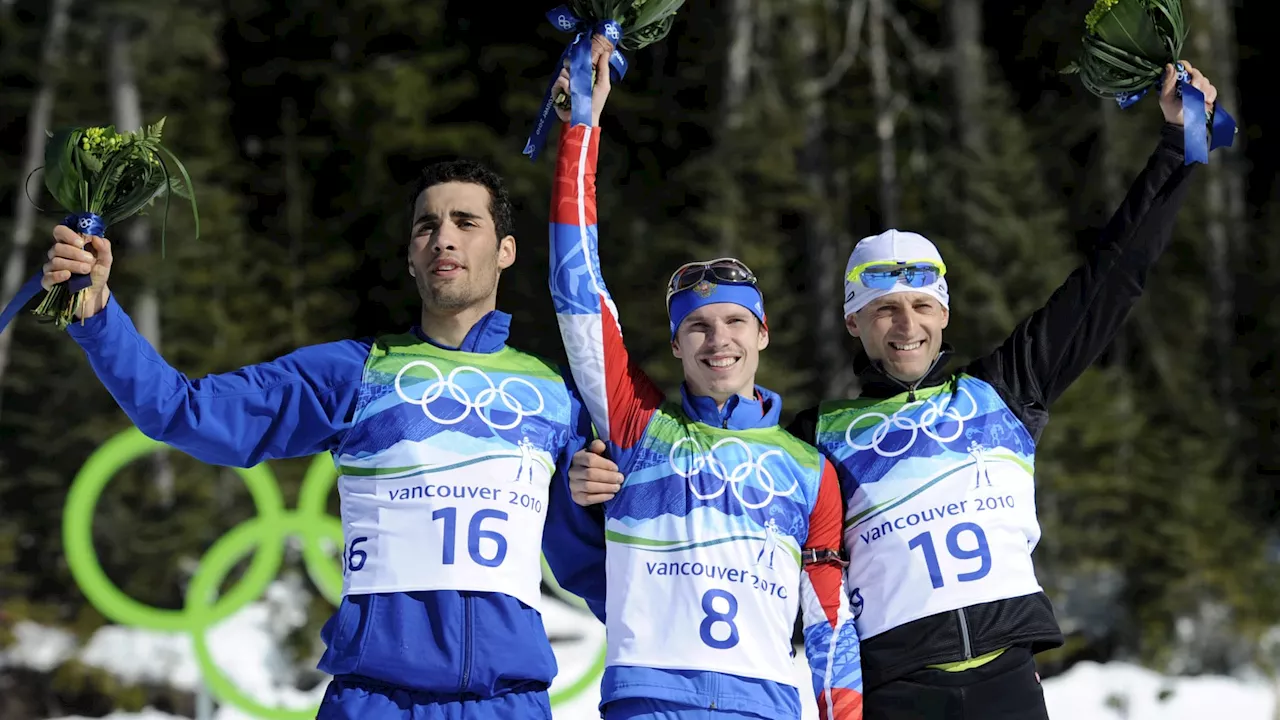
x,y
246,647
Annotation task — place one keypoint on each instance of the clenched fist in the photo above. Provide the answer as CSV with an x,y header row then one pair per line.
x,y
73,253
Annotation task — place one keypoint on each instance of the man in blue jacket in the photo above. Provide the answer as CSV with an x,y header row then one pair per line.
x,y
439,616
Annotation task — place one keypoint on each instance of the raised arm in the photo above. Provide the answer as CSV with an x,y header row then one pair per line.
x,y
294,406
830,635
1055,345
619,396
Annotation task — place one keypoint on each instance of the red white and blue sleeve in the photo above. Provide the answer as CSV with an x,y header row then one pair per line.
x,y
830,636
619,396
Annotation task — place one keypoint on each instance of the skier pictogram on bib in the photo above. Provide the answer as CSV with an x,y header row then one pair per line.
x,y
526,460
770,543
979,464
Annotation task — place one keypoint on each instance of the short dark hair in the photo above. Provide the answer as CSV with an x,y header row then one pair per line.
x,y
468,171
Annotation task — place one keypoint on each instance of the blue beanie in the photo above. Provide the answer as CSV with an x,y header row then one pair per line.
x,y
707,293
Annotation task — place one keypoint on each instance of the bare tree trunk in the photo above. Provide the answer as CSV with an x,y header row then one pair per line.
x,y
127,116
969,72
968,82
824,236
737,76
295,216
1223,197
886,114
37,123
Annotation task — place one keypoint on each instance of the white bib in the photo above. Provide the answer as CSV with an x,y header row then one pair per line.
x,y
472,525
967,540
719,608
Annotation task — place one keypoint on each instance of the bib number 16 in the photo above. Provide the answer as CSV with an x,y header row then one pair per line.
x,y
355,556
982,552
475,533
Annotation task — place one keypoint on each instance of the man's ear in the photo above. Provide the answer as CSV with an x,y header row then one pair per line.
x,y
506,252
851,324
675,347
762,339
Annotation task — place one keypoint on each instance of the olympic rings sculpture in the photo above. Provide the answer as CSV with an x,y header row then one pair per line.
x,y
484,399
707,460
929,419
263,535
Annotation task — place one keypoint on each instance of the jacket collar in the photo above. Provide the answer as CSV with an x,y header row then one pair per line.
x,y
739,413
877,383
488,335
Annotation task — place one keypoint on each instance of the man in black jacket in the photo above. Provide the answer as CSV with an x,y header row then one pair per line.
x,y
936,462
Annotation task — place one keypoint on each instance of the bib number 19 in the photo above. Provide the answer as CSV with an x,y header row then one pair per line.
x,y
924,541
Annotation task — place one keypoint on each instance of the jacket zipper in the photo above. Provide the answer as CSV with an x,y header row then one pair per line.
x,y
911,389
466,643
964,634
911,397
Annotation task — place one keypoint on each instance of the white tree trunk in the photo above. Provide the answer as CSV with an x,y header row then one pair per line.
x,y
37,123
736,80
886,114
1223,192
825,237
295,217
969,72
126,106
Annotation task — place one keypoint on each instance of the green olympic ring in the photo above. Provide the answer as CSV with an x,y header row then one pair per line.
x,y
264,535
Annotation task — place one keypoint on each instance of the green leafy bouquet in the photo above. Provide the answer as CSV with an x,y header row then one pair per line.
x,y
1127,45
625,24
102,177
643,22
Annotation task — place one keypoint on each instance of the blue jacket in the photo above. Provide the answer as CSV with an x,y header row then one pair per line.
x,y
444,642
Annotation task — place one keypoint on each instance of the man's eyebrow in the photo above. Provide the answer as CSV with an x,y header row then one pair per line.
x,y
455,214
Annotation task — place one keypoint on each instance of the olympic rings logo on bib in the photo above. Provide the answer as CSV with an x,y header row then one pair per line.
x,y
702,462
927,424
483,401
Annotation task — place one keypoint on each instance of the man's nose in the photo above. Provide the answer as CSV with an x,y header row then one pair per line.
x,y
444,238
717,335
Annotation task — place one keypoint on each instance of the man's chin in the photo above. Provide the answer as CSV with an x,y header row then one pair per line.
x,y
908,373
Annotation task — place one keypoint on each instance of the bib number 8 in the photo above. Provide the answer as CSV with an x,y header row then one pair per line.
x,y
982,552
714,617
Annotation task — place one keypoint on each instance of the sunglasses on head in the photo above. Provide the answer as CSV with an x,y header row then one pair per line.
x,y
720,270
884,275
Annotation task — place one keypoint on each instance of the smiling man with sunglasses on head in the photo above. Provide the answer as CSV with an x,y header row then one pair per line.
x,y
726,525
936,462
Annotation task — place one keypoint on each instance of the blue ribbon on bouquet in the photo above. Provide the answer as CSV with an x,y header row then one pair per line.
x,y
1198,141
578,52
83,223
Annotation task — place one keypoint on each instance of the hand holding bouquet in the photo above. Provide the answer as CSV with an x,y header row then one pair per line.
x,y
609,24
102,177
1126,47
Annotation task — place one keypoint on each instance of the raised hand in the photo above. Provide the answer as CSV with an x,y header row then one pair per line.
x,y
1171,104
82,255
601,51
